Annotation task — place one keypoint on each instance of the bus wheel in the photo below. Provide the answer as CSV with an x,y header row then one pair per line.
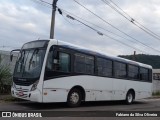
x,y
129,98
74,98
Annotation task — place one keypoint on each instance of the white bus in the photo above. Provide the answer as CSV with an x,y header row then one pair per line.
x,y
56,71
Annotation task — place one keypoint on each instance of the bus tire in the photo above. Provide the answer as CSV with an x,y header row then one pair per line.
x,y
129,98
74,98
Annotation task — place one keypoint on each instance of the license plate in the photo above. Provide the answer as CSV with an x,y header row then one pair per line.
x,y
21,94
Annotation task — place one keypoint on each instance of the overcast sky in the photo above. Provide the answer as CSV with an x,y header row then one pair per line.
x,y
26,20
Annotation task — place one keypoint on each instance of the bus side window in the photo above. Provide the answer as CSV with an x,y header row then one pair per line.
x,y
58,63
150,75
144,74
49,64
104,67
133,72
79,63
62,62
84,64
120,70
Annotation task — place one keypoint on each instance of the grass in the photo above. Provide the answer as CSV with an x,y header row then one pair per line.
x,y
9,98
156,93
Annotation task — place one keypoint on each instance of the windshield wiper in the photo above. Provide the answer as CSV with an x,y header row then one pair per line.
x,y
34,52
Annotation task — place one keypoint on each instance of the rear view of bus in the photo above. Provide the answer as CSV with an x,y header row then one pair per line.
x,y
27,83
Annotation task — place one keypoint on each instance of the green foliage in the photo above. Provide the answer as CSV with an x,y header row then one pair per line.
x,y
153,60
156,93
5,76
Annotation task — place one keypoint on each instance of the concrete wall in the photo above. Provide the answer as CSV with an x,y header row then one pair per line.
x,y
156,80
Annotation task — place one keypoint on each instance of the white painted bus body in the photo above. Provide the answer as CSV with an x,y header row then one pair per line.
x,y
96,88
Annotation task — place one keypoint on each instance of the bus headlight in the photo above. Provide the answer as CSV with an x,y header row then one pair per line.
x,y
34,86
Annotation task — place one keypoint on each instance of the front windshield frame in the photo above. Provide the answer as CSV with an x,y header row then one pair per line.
x,y
27,66
30,62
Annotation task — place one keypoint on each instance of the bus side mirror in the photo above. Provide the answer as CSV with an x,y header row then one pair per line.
x,y
11,57
11,53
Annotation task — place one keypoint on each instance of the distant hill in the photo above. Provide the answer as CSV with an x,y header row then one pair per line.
x,y
153,60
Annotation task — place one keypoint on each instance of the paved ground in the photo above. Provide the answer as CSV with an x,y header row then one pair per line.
x,y
143,105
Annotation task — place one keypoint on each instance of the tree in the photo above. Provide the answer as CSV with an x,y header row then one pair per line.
x,y
153,60
5,76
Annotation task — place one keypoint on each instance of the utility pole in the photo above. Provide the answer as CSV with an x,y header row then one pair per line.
x,y
53,19
134,56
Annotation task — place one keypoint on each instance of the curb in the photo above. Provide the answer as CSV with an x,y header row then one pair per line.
x,y
153,97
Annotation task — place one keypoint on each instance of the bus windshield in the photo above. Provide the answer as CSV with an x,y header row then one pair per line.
x,y
30,62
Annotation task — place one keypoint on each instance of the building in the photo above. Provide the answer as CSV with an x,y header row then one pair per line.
x,y
156,80
5,59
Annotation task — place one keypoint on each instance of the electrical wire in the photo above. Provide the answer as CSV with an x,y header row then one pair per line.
x,y
105,30
69,21
84,20
94,24
130,19
42,3
45,2
106,2
114,26
100,33
108,30
112,32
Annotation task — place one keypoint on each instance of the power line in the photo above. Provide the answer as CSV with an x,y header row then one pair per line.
x,y
105,29
69,22
108,30
94,24
82,19
100,33
120,8
130,19
42,3
142,27
114,26
106,2
116,34
45,2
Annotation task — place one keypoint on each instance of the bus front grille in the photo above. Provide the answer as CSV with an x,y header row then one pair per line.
x,y
26,82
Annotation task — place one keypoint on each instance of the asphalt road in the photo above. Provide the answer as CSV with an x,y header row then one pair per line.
x,y
142,105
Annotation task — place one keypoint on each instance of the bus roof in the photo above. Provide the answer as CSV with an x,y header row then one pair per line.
x,y
98,54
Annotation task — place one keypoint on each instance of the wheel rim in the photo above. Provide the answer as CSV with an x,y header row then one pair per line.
x,y
74,98
130,97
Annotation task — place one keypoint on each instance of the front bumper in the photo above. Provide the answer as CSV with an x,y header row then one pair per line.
x,y
27,95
